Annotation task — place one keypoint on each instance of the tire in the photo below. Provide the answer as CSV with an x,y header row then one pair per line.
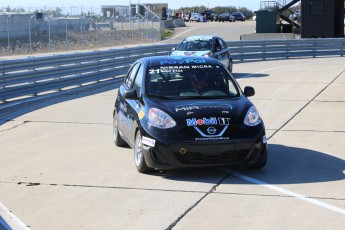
x,y
117,138
230,67
139,158
261,163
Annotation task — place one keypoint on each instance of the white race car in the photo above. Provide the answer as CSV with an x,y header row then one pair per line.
x,y
208,46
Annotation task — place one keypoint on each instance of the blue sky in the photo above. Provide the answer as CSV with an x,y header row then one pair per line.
x,y
173,4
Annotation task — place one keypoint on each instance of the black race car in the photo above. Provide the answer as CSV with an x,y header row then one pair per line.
x,y
178,111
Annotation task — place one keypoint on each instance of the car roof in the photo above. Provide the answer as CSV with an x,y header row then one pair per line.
x,y
202,37
177,60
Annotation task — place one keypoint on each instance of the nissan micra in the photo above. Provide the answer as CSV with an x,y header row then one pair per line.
x,y
207,46
178,112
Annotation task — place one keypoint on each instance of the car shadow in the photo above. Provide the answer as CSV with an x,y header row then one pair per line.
x,y
286,165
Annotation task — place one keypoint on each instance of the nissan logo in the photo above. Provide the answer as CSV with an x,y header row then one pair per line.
x,y
211,130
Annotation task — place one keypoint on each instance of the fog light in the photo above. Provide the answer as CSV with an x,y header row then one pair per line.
x,y
183,151
264,139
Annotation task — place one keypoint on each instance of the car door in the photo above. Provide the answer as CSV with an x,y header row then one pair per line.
x,y
220,53
225,52
134,108
123,106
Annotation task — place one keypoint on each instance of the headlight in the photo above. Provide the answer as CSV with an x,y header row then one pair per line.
x,y
252,117
210,54
159,119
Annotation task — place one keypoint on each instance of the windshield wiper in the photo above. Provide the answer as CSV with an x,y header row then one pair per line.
x,y
199,97
159,96
188,97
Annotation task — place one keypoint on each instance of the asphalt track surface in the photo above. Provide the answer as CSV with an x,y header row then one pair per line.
x,y
61,170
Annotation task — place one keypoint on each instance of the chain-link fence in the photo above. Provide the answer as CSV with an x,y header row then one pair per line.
x,y
32,33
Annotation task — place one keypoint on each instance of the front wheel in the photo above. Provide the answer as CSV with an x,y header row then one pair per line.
x,y
116,134
139,155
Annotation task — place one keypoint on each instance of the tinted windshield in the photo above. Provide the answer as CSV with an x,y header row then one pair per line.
x,y
190,81
195,45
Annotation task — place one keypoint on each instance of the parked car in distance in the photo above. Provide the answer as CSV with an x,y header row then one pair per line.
x,y
296,15
207,46
239,16
226,17
183,112
210,15
196,17
186,17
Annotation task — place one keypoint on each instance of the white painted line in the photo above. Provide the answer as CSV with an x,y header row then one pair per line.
x,y
287,192
178,35
11,219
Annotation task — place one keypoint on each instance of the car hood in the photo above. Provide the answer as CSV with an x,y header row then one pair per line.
x,y
190,53
188,109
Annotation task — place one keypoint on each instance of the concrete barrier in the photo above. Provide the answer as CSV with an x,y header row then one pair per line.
x,y
167,24
267,36
179,23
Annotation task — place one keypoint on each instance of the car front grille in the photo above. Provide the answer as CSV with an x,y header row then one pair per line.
x,y
228,157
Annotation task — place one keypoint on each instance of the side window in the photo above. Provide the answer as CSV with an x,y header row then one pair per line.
x,y
216,44
139,80
222,43
130,77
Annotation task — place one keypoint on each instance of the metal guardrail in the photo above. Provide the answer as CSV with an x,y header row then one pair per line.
x,y
34,76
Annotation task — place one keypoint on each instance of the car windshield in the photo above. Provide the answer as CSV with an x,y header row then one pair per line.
x,y
197,81
195,45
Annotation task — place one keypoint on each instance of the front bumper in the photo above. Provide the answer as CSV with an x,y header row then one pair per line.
x,y
204,154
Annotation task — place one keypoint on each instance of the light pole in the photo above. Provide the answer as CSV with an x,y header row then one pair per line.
x,y
81,30
66,18
8,34
49,33
73,11
30,42
97,25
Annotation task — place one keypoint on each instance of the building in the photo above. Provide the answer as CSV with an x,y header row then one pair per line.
x,y
116,11
132,10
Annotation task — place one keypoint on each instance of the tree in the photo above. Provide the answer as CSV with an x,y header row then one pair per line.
x,y
9,9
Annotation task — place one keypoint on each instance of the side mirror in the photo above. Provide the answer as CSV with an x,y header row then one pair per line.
x,y
249,91
172,50
130,94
